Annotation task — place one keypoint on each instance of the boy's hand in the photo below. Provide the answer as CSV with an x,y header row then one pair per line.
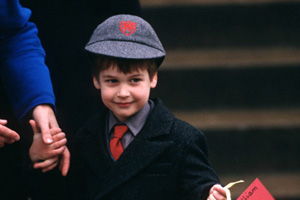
x,y
7,135
40,151
47,156
65,162
49,164
217,192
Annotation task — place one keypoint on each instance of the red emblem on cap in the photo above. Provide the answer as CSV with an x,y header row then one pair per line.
x,y
127,27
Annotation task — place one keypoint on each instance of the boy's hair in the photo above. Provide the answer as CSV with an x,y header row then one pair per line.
x,y
101,63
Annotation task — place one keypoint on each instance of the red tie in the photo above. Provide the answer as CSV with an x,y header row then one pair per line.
x,y
115,144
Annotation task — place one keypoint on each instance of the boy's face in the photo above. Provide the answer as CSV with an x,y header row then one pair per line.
x,y
124,94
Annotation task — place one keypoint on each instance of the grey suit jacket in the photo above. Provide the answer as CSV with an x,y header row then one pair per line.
x,y
167,160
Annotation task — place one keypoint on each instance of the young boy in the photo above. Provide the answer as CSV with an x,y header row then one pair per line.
x,y
135,148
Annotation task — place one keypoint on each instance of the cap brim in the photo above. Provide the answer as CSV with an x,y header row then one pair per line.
x,y
125,49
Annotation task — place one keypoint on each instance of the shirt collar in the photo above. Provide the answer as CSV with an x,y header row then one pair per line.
x,y
135,123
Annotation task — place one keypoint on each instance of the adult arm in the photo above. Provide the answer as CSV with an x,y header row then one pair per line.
x,y
24,74
23,71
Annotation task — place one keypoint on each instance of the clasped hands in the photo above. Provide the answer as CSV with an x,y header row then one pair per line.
x,y
46,151
49,142
48,148
46,156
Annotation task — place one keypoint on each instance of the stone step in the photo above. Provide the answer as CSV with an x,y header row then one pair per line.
x,y
164,3
201,58
237,25
255,142
243,119
232,71
223,88
250,141
272,150
272,155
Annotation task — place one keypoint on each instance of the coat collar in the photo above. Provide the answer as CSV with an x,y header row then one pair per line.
x,y
147,146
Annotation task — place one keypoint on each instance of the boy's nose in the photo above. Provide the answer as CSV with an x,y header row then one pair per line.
x,y
123,92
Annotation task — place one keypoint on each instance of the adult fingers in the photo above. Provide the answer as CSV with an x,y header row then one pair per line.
x,y
33,126
46,134
6,140
1,144
52,120
8,133
51,126
41,117
3,121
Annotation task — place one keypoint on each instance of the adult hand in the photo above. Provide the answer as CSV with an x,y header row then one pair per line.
x,y
7,135
45,120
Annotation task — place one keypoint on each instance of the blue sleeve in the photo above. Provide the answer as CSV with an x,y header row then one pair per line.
x,y
23,71
12,15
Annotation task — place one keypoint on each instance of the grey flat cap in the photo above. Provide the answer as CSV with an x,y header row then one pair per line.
x,y
126,36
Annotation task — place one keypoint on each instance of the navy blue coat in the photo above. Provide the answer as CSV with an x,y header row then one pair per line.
x,y
167,160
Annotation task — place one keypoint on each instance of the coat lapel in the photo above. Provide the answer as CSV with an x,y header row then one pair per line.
x,y
94,147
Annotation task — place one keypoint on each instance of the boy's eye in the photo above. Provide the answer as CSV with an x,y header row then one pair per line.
x,y
135,80
111,81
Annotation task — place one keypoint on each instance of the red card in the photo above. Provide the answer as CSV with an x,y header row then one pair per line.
x,y
256,191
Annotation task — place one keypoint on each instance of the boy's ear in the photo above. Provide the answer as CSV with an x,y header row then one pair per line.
x,y
96,83
154,81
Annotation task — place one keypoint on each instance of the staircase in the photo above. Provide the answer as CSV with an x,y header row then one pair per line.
x,y
232,70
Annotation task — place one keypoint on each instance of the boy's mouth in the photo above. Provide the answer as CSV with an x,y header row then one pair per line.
x,y
124,104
